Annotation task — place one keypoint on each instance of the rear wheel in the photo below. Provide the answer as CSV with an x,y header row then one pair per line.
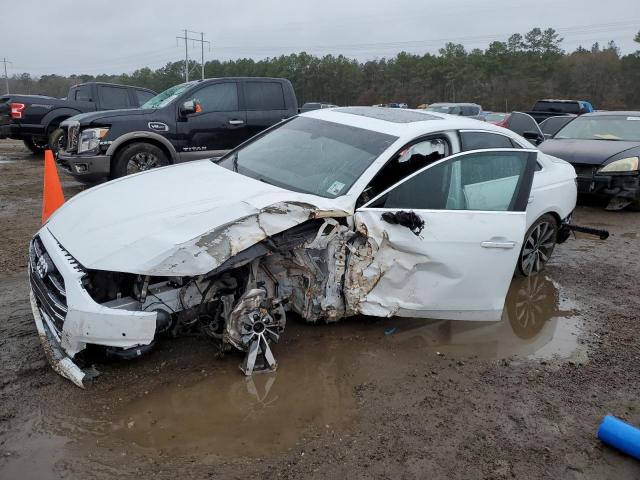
x,y
36,145
56,140
138,157
538,245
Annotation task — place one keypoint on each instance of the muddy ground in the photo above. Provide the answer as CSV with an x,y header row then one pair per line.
x,y
367,398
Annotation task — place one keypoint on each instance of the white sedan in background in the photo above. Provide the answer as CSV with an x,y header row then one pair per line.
x,y
329,214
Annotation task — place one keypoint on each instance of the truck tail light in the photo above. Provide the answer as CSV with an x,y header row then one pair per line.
x,y
16,110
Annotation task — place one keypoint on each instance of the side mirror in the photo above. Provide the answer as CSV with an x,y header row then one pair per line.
x,y
190,107
534,137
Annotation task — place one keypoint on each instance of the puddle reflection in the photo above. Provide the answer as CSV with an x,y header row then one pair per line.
x,y
228,414
535,323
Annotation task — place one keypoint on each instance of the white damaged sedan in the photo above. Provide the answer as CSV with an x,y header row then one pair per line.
x,y
333,213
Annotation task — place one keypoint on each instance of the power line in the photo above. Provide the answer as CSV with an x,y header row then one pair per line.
x,y
186,39
571,31
6,77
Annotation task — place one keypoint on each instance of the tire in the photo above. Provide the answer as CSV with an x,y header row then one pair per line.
x,y
56,140
538,245
36,145
138,157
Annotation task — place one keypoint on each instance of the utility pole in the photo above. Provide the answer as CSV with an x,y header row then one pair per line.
x,y
202,41
6,77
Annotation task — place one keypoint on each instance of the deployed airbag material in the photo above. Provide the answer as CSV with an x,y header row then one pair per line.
x,y
620,435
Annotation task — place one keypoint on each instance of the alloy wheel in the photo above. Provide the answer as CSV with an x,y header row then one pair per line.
x,y
141,162
538,247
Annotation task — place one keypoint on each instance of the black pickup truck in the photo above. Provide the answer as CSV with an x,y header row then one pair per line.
x,y
544,109
35,118
199,119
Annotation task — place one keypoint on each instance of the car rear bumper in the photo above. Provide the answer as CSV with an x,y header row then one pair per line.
x,y
7,131
21,131
87,168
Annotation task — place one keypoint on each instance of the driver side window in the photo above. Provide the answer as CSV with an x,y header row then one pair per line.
x,y
219,97
407,161
486,181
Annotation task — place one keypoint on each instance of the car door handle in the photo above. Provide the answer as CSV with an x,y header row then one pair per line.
x,y
236,122
494,244
531,199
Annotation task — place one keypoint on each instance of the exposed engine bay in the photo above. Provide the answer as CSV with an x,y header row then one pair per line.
x,y
242,303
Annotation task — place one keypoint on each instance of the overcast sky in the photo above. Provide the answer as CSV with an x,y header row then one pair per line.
x,y
115,36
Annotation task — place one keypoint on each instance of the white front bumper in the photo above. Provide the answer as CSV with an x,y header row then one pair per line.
x,y
86,322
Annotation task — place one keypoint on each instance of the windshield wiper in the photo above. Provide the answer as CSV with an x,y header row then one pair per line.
x,y
266,181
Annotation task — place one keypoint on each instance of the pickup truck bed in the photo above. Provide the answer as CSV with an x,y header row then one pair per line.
x,y
33,118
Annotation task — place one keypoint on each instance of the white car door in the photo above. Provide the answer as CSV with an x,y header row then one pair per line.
x,y
443,242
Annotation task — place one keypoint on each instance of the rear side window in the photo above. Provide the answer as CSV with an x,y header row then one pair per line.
x,y
218,97
142,96
264,96
113,97
484,140
82,94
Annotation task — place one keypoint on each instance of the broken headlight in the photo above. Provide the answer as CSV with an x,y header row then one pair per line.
x,y
90,139
629,164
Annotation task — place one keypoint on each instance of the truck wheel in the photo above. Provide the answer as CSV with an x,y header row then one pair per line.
x,y
538,245
36,145
138,157
56,141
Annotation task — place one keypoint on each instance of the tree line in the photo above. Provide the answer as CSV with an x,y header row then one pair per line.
x,y
507,75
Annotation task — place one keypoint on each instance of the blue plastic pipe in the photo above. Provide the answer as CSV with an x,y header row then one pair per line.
x,y
620,435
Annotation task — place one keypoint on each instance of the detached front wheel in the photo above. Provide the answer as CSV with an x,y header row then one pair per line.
x,y
138,157
538,245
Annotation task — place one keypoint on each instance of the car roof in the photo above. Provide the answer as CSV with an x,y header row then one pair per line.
x,y
414,123
112,85
613,113
452,104
557,100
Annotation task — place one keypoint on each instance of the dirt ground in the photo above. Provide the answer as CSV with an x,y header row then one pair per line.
x,y
366,398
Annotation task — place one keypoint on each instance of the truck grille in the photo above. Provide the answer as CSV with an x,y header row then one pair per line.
x,y
47,285
73,134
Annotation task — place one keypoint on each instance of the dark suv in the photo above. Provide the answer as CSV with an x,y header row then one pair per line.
x,y
193,120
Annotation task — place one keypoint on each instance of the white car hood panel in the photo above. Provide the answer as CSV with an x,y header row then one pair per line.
x,y
180,220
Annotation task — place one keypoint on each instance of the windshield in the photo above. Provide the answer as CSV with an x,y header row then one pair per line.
x,y
165,98
603,128
439,108
308,155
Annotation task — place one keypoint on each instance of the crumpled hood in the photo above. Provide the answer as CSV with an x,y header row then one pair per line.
x,y
179,220
585,152
87,118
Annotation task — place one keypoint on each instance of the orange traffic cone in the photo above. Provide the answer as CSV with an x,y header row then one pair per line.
x,y
52,196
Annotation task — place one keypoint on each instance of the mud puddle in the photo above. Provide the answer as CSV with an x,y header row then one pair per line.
x,y
536,323
228,414
218,413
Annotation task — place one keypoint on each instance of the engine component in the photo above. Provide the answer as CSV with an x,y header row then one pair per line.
x,y
254,323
